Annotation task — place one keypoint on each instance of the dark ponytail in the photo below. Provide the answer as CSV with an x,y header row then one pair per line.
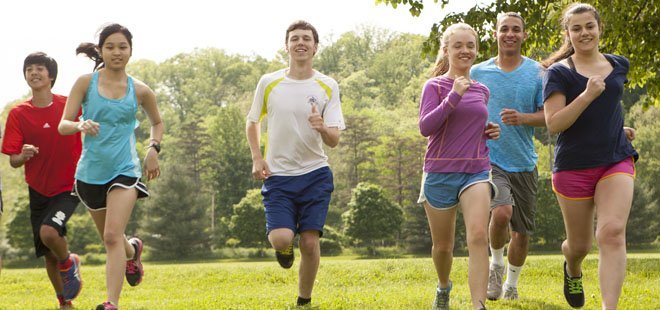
x,y
92,52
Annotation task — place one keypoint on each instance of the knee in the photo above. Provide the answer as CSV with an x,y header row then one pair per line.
x,y
501,216
477,237
611,235
580,249
111,238
443,248
48,234
309,244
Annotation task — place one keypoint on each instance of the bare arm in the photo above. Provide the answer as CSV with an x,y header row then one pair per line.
x,y
559,116
260,170
68,125
148,103
28,151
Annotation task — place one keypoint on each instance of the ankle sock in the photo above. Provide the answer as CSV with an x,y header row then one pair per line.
x,y
303,301
497,256
512,274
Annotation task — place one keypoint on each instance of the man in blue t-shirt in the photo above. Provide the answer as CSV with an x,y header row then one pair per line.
x,y
516,103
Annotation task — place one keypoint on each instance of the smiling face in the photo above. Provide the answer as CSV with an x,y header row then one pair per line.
x,y
461,49
510,35
37,76
301,45
583,30
116,51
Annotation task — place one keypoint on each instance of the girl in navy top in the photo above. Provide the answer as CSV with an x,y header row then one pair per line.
x,y
594,160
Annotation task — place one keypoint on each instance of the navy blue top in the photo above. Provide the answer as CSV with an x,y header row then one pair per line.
x,y
596,138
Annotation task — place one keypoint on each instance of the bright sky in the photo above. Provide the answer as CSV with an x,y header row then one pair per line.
x,y
162,29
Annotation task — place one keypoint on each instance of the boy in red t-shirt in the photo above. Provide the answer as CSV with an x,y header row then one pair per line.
x,y
50,159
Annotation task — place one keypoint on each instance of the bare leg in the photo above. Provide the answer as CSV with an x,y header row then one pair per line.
x,y
54,272
310,252
114,219
475,202
442,224
613,202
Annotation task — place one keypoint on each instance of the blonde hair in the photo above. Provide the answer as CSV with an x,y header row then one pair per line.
x,y
566,49
442,63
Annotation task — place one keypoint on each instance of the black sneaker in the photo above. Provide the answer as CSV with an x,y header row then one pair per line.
x,y
285,257
573,290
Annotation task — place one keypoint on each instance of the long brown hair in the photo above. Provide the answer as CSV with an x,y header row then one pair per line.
x,y
442,63
566,49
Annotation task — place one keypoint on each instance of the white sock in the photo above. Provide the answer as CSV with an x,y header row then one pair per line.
x,y
512,274
498,256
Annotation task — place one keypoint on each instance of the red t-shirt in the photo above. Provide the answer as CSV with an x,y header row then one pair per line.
x,y
52,170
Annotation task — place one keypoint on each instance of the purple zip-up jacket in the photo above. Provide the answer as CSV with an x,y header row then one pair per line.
x,y
455,127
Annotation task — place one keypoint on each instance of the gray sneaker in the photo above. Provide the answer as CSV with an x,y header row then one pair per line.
x,y
510,292
441,301
495,282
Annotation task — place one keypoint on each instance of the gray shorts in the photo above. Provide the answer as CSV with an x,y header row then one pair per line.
x,y
519,190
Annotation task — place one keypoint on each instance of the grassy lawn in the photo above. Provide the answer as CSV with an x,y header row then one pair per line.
x,y
342,283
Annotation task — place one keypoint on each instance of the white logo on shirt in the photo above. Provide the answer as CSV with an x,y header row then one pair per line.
x,y
46,125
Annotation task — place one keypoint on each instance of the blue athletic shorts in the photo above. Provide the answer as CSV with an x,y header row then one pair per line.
x,y
442,190
299,203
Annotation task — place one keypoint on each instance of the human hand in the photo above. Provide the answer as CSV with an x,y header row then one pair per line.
x,y
28,151
89,127
260,170
316,120
492,131
630,133
461,85
512,117
595,87
151,167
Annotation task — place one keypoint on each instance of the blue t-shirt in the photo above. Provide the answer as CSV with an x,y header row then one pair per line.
x,y
520,89
596,138
112,152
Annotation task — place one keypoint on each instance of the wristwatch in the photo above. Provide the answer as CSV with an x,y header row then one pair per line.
x,y
155,145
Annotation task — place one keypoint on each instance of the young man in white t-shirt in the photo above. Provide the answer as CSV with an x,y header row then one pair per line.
x,y
303,112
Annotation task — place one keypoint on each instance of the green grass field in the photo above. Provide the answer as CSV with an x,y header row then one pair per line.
x,y
342,283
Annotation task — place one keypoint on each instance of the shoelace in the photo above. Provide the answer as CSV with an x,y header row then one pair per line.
x,y
574,285
442,300
131,267
287,251
494,277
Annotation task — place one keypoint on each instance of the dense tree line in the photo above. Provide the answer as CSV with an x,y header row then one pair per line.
x,y
206,200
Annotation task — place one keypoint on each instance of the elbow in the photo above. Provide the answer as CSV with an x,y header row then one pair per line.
x,y
552,128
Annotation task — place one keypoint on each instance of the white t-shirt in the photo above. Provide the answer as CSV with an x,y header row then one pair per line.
x,y
293,147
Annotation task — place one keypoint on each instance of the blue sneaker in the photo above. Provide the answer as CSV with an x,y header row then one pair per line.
x,y
71,278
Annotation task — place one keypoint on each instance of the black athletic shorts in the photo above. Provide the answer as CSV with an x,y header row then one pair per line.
x,y
53,211
93,196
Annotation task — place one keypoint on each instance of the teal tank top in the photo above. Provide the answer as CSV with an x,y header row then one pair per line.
x,y
112,152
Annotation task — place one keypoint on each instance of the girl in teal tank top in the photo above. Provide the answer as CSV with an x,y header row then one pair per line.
x,y
108,173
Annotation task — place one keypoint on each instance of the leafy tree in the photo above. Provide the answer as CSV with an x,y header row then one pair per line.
x,y
248,222
227,157
644,221
353,158
628,31
371,216
19,229
176,223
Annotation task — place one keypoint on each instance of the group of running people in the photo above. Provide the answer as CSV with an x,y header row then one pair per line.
x,y
479,121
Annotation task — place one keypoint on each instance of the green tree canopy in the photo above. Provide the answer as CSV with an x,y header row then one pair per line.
x,y
371,216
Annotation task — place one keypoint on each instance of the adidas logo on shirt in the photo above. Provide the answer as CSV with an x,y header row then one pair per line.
x,y
46,125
